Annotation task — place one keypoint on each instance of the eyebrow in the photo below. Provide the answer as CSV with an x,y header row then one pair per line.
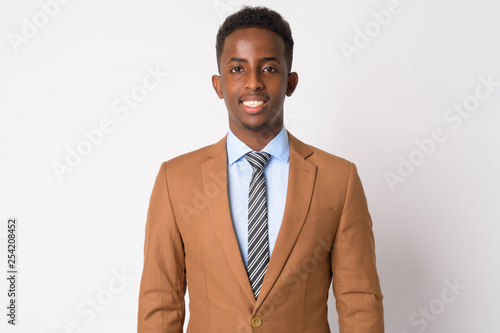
x,y
244,60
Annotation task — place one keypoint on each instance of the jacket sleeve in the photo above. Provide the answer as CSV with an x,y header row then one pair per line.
x,y
163,282
356,284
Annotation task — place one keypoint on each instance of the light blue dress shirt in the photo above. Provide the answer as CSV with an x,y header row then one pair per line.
x,y
239,175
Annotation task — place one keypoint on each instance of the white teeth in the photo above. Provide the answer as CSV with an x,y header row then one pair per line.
x,y
253,104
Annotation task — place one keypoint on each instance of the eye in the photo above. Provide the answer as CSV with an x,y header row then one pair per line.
x,y
270,69
236,69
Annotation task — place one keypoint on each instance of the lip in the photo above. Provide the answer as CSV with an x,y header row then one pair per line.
x,y
253,110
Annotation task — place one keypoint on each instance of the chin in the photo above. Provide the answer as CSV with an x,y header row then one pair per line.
x,y
256,127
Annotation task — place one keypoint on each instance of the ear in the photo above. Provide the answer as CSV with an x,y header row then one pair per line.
x,y
217,85
293,80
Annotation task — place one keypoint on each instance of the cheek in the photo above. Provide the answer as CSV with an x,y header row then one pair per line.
x,y
229,90
279,95
279,87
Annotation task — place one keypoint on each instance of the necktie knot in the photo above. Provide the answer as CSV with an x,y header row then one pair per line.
x,y
257,160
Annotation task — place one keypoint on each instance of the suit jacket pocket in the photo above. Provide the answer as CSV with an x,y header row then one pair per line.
x,y
317,216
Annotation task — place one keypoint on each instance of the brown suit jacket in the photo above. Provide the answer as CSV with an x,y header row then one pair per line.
x,y
326,233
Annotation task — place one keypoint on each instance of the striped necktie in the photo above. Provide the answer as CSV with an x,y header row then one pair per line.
x,y
258,244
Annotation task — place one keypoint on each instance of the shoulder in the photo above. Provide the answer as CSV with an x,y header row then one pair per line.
x,y
326,157
317,156
190,162
196,156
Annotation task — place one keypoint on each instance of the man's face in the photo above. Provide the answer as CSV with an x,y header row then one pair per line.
x,y
253,80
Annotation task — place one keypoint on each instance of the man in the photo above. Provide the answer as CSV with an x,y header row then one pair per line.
x,y
258,224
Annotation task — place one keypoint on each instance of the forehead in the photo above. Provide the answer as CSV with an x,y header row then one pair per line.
x,y
253,40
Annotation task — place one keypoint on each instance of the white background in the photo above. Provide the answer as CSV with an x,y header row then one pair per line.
x,y
75,235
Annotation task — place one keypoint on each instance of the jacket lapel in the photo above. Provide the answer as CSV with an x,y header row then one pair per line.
x,y
301,178
219,210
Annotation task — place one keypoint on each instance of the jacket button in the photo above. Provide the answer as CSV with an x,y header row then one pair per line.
x,y
256,322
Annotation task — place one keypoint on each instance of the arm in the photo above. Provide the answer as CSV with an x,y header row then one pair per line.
x,y
356,284
163,283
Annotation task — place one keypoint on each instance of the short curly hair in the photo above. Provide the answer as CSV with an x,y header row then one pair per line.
x,y
258,17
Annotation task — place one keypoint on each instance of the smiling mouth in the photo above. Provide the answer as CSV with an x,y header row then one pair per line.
x,y
253,107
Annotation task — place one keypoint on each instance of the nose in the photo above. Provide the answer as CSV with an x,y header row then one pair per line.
x,y
254,81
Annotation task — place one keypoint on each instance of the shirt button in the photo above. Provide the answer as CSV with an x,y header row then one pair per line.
x,y
256,321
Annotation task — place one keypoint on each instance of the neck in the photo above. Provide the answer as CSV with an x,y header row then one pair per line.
x,y
257,139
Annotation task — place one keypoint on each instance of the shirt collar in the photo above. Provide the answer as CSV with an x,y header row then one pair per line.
x,y
279,147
